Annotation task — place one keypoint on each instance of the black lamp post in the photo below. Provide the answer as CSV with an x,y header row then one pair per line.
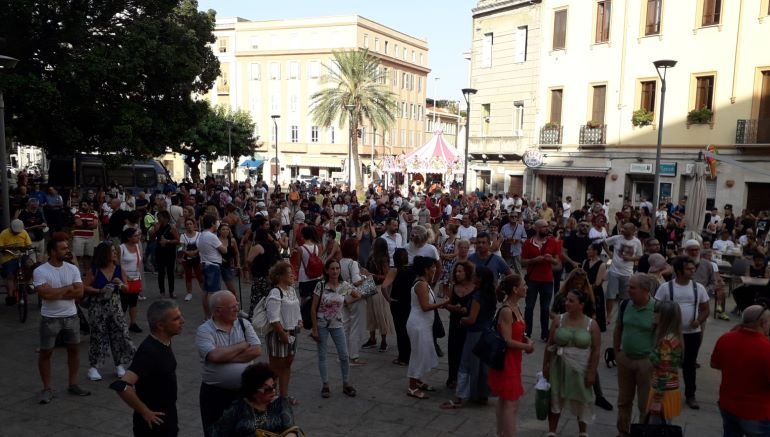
x,y
6,63
664,64
467,93
277,167
350,109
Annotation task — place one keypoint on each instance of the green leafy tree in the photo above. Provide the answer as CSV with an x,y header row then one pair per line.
x,y
354,79
209,138
106,75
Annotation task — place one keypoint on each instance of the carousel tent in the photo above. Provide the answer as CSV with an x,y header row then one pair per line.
x,y
435,157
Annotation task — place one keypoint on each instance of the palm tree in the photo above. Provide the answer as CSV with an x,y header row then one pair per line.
x,y
356,79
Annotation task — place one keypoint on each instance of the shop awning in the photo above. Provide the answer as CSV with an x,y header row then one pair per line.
x,y
581,172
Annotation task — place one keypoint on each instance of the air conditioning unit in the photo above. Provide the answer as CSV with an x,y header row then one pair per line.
x,y
223,50
689,169
640,168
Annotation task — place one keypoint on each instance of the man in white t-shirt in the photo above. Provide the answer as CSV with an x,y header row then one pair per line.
x,y
467,232
724,244
210,249
392,237
517,203
58,284
627,249
693,302
566,207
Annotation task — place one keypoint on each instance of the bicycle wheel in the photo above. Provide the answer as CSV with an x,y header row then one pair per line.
x,y
23,298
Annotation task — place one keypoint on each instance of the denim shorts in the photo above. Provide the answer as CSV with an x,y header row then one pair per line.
x,y
212,278
50,327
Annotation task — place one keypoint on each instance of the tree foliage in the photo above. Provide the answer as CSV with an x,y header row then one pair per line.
x,y
355,79
208,139
105,75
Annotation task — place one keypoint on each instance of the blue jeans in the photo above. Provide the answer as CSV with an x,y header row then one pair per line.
x,y
545,291
338,337
212,278
734,426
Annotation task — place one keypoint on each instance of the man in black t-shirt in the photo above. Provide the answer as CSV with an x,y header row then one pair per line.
x,y
575,247
149,386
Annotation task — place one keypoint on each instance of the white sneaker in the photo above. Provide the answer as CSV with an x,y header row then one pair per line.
x,y
142,297
94,375
120,371
188,297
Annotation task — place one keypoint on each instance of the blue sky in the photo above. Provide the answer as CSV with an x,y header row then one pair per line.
x,y
445,24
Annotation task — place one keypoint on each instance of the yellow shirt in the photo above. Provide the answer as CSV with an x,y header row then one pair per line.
x,y
8,238
547,214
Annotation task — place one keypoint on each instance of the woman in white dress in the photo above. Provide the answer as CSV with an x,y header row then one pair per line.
x,y
423,356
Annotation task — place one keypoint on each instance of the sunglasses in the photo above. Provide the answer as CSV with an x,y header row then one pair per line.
x,y
268,389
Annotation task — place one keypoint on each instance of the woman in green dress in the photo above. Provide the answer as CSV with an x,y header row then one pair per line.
x,y
570,362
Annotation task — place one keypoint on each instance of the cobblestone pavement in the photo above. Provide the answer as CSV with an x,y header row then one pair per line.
x,y
381,408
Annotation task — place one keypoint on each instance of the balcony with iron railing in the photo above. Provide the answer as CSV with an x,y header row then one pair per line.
x,y
593,135
755,131
551,135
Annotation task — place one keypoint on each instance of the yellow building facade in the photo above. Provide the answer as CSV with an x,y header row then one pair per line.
x,y
274,67
590,137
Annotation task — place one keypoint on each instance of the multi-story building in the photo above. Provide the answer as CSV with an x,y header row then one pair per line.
x,y
596,74
446,121
274,67
505,58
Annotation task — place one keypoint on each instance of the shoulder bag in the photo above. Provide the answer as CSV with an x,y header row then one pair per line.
x,y
367,288
491,346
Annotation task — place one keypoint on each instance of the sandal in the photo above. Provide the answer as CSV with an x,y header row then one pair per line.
x,y
325,392
357,362
451,405
399,363
425,387
416,393
349,390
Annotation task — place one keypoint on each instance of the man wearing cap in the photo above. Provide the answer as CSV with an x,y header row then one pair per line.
x,y
743,357
15,236
35,225
466,231
693,302
704,271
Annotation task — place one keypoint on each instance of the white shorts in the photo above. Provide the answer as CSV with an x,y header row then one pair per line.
x,y
617,286
83,246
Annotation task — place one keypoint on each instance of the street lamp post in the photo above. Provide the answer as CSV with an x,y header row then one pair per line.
x,y
230,151
467,93
277,167
374,143
664,64
350,109
6,63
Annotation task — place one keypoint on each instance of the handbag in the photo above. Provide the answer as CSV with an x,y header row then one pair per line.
x,y
260,320
491,346
438,326
647,429
368,288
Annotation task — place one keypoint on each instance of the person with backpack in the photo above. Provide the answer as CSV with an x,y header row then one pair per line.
x,y
310,270
191,259
694,303
262,255
633,341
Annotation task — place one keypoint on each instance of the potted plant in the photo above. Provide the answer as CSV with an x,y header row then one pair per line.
x,y
700,116
641,117
593,124
551,126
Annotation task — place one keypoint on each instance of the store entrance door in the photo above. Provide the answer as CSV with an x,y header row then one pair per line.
x,y
642,191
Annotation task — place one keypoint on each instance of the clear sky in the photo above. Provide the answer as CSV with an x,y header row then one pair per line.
x,y
446,24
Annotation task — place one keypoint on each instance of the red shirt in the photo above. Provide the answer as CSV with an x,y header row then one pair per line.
x,y
88,218
743,356
540,271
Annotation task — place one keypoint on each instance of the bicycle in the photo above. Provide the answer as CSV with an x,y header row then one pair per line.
x,y
24,268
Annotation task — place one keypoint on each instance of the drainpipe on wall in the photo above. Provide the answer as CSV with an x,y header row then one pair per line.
x,y
735,55
622,70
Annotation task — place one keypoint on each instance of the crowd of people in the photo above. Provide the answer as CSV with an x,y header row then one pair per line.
x,y
367,270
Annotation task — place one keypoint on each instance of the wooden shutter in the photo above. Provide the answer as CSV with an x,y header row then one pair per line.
x,y
763,122
521,44
648,96
516,186
597,109
652,26
711,12
704,92
556,99
603,12
559,29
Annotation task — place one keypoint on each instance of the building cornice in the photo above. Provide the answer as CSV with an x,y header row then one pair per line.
x,y
501,6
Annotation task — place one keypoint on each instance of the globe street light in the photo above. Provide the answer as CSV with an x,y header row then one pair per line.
x,y
350,109
277,166
664,64
467,93
6,63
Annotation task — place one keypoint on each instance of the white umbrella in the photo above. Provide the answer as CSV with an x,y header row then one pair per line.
x,y
696,205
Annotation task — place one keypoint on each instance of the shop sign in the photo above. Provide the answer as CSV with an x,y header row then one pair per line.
x,y
668,169
532,158
640,168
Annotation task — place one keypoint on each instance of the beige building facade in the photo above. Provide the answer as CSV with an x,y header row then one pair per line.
x,y
590,137
505,59
274,67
